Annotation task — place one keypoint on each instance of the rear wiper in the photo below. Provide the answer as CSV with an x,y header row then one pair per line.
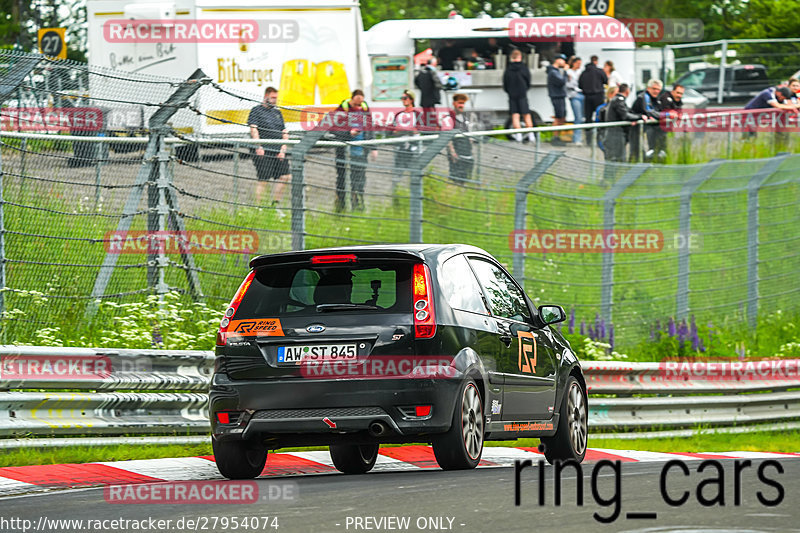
x,y
321,308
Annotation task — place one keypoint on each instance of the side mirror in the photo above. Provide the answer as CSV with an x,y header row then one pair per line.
x,y
552,314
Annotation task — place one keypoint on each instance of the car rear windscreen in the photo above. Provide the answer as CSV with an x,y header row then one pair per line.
x,y
298,290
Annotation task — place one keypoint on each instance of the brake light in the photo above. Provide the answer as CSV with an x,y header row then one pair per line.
x,y
424,318
223,418
328,259
222,334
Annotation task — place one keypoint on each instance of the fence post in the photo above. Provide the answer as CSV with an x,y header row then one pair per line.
x,y
722,64
685,226
753,187
8,84
235,176
157,214
298,159
521,204
177,100
609,220
417,167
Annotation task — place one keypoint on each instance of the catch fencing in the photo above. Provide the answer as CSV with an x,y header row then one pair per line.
x,y
725,249
130,392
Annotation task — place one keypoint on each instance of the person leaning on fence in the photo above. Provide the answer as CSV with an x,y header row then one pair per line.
x,y
616,137
459,150
671,104
266,122
355,117
406,122
647,103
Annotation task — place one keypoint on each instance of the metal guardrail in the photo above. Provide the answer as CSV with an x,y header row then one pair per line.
x,y
122,392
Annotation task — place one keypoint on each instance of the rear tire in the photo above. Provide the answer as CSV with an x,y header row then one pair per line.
x,y
461,447
572,435
354,458
239,459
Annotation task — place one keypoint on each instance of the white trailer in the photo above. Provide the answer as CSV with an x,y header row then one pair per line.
x,y
313,53
395,42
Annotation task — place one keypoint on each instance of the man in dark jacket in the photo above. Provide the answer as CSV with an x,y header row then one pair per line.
x,y
647,103
430,91
557,91
516,82
616,138
592,82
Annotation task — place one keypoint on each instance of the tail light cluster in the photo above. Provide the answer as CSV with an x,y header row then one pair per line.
x,y
424,318
222,334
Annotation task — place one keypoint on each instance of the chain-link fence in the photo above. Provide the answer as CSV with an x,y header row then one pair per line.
x,y
620,245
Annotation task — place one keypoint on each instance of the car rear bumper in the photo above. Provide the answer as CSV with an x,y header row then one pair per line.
x,y
304,412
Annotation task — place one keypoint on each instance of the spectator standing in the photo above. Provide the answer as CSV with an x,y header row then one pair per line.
x,y
647,103
406,122
611,72
430,91
266,122
516,82
575,96
557,91
459,150
600,115
357,127
591,83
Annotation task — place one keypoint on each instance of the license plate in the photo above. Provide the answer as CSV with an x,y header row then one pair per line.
x,y
294,355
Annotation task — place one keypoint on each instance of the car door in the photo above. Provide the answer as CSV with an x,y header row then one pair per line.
x,y
527,356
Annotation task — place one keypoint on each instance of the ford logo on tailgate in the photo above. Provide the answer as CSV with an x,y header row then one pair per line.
x,y
315,328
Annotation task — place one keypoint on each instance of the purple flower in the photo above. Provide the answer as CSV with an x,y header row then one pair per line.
x,y
583,327
572,321
597,324
696,343
602,330
671,327
591,333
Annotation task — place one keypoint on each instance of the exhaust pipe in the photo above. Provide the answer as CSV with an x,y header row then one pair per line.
x,y
376,429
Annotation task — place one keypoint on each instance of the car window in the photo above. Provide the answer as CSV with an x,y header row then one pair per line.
x,y
505,298
292,289
460,287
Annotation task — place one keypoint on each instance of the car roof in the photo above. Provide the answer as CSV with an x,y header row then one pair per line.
x,y
422,251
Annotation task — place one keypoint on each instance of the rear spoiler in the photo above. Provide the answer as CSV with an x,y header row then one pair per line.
x,y
366,255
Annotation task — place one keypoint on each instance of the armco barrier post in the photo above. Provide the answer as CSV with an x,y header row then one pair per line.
x,y
521,204
753,187
417,167
609,220
685,225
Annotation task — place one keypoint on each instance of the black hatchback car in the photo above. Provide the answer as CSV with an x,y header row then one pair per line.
x,y
354,347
